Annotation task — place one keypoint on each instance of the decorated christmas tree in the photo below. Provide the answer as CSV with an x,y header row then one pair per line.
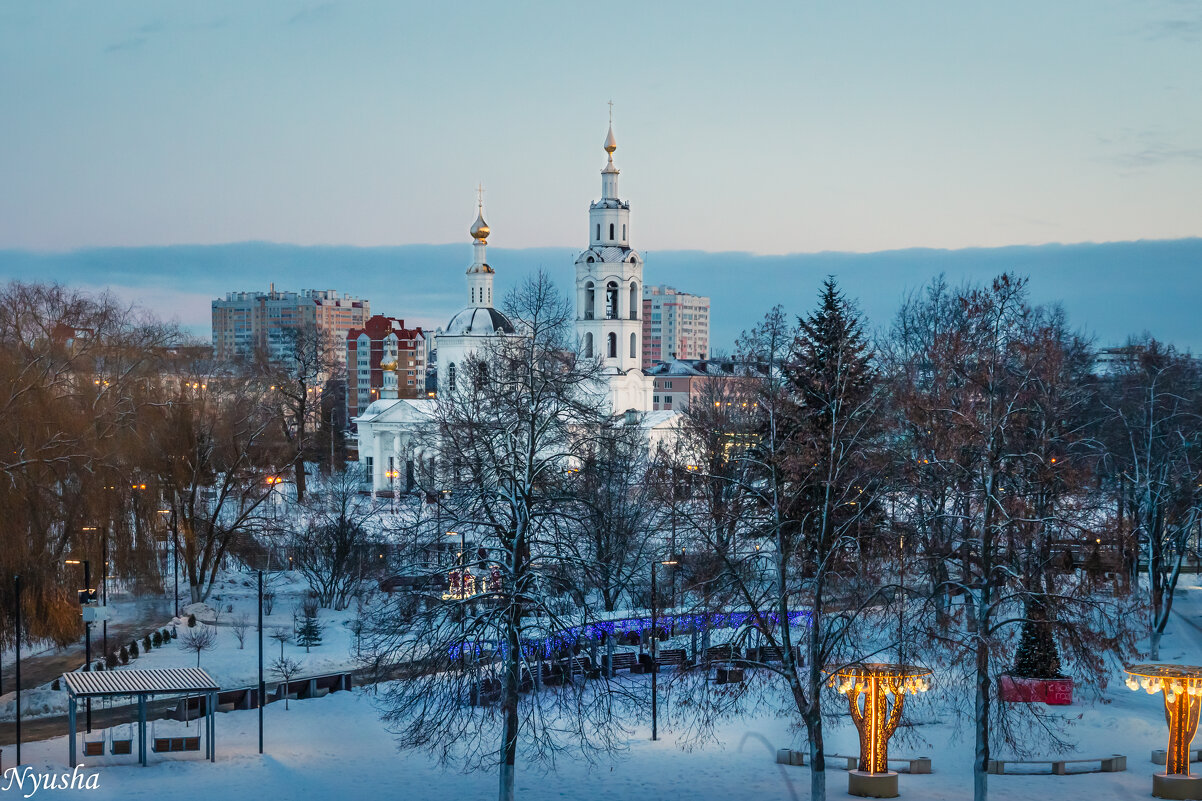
x,y
1037,656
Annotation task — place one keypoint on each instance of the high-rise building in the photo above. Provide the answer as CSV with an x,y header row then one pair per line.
x,y
250,325
676,325
380,353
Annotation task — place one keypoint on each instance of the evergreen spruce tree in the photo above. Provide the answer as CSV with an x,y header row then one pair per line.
x,y
133,650
157,638
1037,656
146,643
308,632
124,655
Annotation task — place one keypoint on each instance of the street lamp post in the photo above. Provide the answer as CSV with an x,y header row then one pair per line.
x,y
17,596
462,590
654,649
262,685
87,627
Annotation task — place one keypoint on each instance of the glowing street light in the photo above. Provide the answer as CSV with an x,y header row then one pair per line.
x,y
1182,689
876,718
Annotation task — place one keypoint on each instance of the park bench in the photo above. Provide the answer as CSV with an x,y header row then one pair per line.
x,y
914,765
1161,757
165,744
721,653
622,660
772,653
580,666
485,692
672,657
1059,767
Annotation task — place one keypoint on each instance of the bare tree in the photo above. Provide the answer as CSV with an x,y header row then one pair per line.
x,y
1000,461
213,462
619,509
240,625
310,360
282,636
329,552
286,669
1154,401
504,441
198,640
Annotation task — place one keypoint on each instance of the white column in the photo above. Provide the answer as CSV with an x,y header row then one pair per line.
x,y
377,467
396,483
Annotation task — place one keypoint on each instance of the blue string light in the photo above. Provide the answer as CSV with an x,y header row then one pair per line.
x,y
569,638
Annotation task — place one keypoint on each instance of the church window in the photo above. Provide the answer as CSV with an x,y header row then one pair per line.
x,y
611,232
611,301
613,345
633,347
634,301
451,377
598,232
473,296
588,345
590,299
623,232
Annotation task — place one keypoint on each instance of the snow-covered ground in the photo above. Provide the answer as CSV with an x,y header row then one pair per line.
x,y
228,664
336,747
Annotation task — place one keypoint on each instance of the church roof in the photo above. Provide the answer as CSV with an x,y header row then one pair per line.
x,y
478,321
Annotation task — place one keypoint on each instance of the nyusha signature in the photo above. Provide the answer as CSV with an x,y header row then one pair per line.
x,y
27,777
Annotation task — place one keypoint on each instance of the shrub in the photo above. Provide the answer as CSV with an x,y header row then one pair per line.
x,y
191,620
146,643
54,684
157,638
99,666
133,650
124,655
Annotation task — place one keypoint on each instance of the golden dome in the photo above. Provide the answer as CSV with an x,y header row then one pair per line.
x,y
479,228
611,144
388,365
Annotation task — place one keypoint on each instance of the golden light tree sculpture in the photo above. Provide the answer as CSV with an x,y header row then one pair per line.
x,y
876,693
1182,689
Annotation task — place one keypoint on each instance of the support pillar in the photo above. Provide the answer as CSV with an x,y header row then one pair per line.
x,y
142,729
71,725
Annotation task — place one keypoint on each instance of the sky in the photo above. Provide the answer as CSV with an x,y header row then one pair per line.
x,y
770,128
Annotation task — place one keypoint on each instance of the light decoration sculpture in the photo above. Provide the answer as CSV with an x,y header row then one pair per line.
x,y
1181,686
462,585
876,693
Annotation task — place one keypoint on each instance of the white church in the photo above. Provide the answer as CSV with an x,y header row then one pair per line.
x,y
609,327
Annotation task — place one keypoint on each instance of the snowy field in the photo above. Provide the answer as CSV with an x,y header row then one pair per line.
x,y
335,747
229,665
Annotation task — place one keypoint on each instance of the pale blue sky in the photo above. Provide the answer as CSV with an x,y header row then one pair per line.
x,y
765,127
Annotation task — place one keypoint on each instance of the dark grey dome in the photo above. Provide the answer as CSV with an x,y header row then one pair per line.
x,y
479,321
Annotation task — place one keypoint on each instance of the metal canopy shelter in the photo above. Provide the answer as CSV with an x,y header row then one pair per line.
x,y
144,684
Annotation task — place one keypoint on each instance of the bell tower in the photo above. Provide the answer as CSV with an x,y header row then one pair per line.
x,y
609,278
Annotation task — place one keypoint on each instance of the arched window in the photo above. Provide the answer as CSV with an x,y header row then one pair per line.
x,y
590,300
588,346
623,232
633,347
598,232
611,300
634,301
451,377
589,259
611,232
612,349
